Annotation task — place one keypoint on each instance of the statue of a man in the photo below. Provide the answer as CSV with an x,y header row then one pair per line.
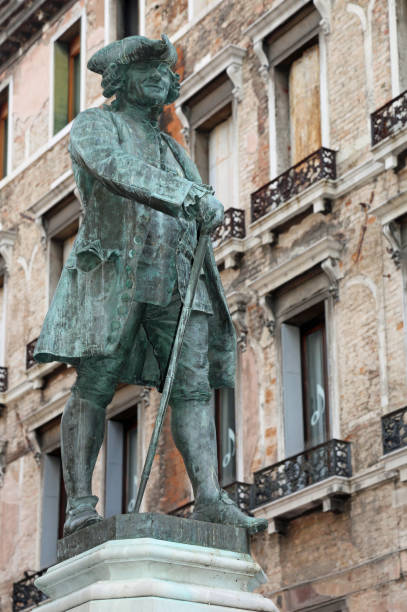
x,y
115,311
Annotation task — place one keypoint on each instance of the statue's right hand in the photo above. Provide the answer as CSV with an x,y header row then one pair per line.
x,y
210,213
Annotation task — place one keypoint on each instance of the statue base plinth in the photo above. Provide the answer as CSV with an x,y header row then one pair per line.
x,y
151,574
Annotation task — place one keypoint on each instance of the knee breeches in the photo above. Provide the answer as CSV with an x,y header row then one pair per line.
x,y
98,376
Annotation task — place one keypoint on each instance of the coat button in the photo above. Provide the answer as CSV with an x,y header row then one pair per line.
x,y
132,253
122,310
115,325
129,283
137,240
125,297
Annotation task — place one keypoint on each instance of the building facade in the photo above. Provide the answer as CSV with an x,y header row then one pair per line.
x,y
296,112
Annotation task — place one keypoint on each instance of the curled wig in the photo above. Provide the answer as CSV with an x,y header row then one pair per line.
x,y
114,78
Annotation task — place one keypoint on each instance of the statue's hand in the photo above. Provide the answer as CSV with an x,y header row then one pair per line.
x,y
210,213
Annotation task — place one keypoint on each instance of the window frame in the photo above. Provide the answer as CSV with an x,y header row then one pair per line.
x,y
264,27
280,65
80,18
320,298
51,235
306,330
127,405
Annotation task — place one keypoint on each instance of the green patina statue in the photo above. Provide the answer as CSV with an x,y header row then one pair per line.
x,y
115,311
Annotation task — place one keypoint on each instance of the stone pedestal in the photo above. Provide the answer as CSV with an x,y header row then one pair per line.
x,y
150,573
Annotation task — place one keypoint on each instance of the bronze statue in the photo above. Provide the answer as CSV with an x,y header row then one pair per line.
x,y
116,308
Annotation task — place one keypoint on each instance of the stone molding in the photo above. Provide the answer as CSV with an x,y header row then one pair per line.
x,y
7,240
229,59
172,576
326,493
326,250
275,17
388,150
316,196
229,251
391,209
388,212
60,188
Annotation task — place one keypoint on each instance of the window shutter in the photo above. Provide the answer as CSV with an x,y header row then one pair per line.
x,y
50,509
292,390
114,469
61,62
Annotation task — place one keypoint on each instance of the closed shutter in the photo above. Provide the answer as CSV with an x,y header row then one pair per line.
x,y
292,390
50,509
221,162
304,102
114,469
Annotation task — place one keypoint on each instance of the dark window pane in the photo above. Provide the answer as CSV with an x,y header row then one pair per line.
x,y
77,85
226,435
61,62
130,461
127,18
315,391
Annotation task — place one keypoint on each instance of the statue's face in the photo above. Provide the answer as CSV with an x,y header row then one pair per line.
x,y
147,83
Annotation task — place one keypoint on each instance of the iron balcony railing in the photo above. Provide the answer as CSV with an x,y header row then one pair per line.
x,y
319,165
331,458
389,118
233,226
25,593
29,354
394,430
240,492
3,379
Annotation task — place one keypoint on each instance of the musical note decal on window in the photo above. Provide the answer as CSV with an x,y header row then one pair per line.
x,y
227,458
320,407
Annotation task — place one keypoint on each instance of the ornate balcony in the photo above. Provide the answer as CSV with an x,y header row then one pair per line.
x,y
317,166
300,471
389,118
394,430
29,354
3,379
25,593
233,226
240,492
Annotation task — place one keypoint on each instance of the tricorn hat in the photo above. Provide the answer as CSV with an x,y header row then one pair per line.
x,y
133,49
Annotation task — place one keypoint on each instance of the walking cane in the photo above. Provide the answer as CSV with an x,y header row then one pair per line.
x,y
172,366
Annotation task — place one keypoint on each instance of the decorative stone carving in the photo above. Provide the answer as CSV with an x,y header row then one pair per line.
x,y
391,232
237,303
3,449
268,313
331,269
263,59
234,72
7,239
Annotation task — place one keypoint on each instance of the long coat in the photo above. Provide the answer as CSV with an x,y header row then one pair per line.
x,y
120,182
